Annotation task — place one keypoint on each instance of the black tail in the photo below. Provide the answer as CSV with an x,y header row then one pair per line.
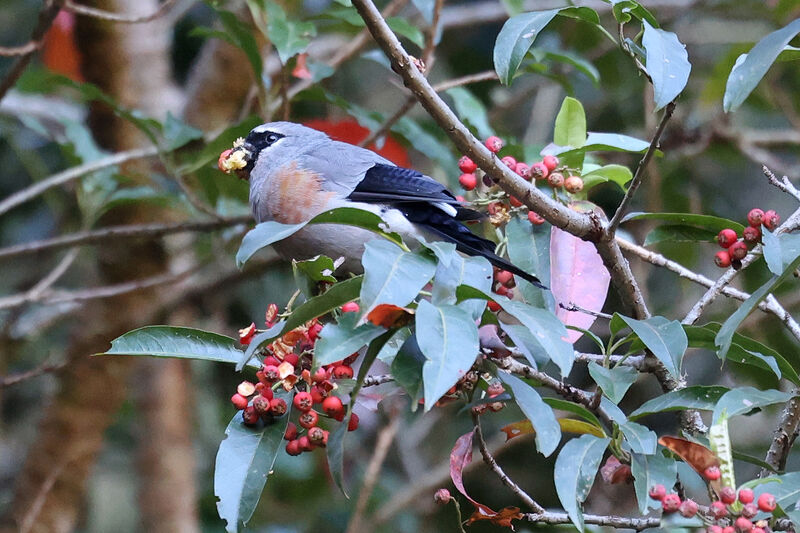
x,y
466,242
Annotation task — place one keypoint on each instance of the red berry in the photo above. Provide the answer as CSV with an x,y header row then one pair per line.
x,y
722,259
271,374
727,495
261,405
771,220
712,473
467,165
767,503
291,432
293,447
573,184
239,401
728,529
343,372
743,524
688,508
657,492
718,509
333,406
502,290
757,530
555,180
291,358
305,444
267,393
550,161
505,277
671,503
749,510
250,416
270,360
350,307
468,181
318,436
746,495
726,237
277,406
751,234
493,306
494,144
510,162
308,420
539,171
524,170
319,374
755,217
318,394
713,529
303,401
313,331
222,158
442,496
352,425
738,250
514,202
535,218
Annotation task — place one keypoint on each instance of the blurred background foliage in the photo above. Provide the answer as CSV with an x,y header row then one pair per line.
x,y
96,445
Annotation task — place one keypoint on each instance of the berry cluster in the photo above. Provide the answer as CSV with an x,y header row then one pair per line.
x,y
504,282
724,515
287,364
735,248
547,170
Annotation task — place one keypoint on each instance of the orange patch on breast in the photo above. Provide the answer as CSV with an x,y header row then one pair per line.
x,y
295,195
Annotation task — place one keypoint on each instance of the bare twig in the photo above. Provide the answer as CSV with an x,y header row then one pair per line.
x,y
195,200
619,522
627,49
71,174
492,463
44,368
469,79
117,233
79,9
783,184
572,306
784,437
371,381
640,169
25,49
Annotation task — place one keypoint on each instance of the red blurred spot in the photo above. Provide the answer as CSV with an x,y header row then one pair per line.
x,y
352,132
59,52
301,68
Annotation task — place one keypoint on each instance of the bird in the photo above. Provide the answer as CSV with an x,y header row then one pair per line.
x,y
296,172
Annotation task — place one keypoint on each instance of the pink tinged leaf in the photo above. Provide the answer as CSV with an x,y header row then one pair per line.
x,y
577,276
460,458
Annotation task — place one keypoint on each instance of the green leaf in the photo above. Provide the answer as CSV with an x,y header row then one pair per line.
x,y
785,488
742,400
289,37
725,336
649,470
780,250
570,407
177,133
615,382
339,340
171,341
244,460
618,174
407,30
453,270
240,35
640,438
270,232
751,67
667,64
679,233
307,274
575,470
708,222
665,338
470,110
423,141
694,397
393,345
570,128
600,142
624,9
196,160
515,39
391,275
448,337
548,432
581,64
407,369
529,249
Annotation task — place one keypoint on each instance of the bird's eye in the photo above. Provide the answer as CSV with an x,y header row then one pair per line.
x,y
271,138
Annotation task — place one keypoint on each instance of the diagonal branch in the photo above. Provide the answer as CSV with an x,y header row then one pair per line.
x,y
102,14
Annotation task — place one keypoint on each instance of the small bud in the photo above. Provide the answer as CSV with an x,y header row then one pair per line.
x,y
442,497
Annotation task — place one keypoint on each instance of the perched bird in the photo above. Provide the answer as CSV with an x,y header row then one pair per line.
x,y
296,172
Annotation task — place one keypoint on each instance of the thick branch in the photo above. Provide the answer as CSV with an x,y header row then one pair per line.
x,y
784,437
619,522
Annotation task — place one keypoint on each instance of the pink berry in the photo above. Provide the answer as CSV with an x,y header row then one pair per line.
x,y
535,218
718,510
550,161
746,495
468,181
467,165
726,237
767,503
771,220
510,162
494,144
671,503
713,529
712,473
738,250
728,529
749,510
350,307
743,524
727,495
688,508
539,171
657,492
523,170
755,217
722,259
239,401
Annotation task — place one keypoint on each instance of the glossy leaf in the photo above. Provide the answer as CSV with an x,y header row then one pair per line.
x,y
244,460
577,276
599,142
391,275
618,174
454,269
171,341
679,233
785,488
615,382
548,432
338,340
515,39
694,397
780,250
649,470
529,249
392,346
665,338
574,408
750,68
407,368
575,470
640,438
711,223
448,337
624,10
567,425
742,400
570,128
177,133
667,63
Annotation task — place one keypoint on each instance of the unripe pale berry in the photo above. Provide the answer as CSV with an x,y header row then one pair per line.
x,y
771,220
743,524
343,372
727,495
688,508
510,162
332,405
738,250
755,217
524,170
239,401
573,184
539,171
718,509
767,503
550,161
726,237
442,496
712,473
468,181
535,218
746,495
350,307
671,503
308,420
467,165
722,259
555,180
494,144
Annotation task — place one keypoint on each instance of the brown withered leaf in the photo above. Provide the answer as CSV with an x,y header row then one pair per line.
x,y
501,518
695,455
390,316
